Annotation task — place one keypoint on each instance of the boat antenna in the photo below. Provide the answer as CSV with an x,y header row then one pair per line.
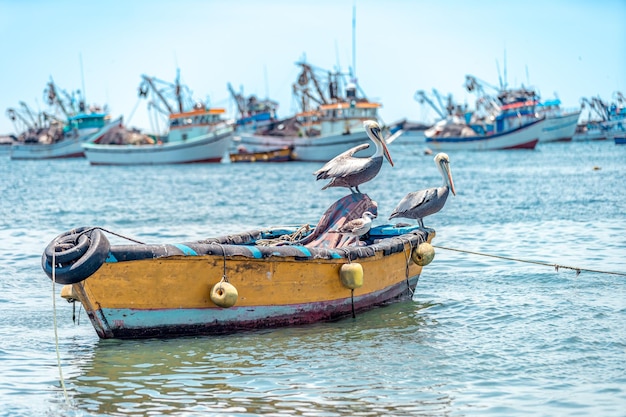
x,y
82,76
178,91
267,87
337,56
506,81
499,75
354,42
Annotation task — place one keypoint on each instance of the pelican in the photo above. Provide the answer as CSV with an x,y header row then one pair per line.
x,y
357,227
419,204
345,170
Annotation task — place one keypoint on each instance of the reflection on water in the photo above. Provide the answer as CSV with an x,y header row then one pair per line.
x,y
362,366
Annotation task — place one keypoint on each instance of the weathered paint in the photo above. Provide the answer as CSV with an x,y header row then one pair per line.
x,y
170,295
133,323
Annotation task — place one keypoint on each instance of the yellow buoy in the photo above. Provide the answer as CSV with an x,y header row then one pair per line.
x,y
423,254
351,275
224,294
68,293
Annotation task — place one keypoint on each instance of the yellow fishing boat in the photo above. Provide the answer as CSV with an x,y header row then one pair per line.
x,y
277,155
258,279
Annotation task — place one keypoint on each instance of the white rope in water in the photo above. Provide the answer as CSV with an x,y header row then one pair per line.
x,y
56,333
555,266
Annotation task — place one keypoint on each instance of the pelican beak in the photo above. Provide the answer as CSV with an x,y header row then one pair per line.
x,y
446,169
386,152
377,135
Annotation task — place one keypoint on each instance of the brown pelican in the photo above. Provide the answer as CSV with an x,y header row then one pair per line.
x,y
357,227
345,170
420,204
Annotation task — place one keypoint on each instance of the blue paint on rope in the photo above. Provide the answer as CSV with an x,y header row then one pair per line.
x,y
186,249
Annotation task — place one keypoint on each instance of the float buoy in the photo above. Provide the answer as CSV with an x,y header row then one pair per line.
x,y
423,254
351,275
224,294
68,293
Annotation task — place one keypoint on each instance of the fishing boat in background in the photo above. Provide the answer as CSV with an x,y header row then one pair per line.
x,y
6,141
560,125
195,133
277,155
329,121
59,132
444,107
253,114
490,126
412,131
603,121
590,130
244,281
458,135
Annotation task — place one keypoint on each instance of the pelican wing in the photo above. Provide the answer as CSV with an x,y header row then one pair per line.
x,y
341,164
413,201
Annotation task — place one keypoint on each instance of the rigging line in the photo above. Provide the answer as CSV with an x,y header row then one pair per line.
x,y
132,113
555,266
110,232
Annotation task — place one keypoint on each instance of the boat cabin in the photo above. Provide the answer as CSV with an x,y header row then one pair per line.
x,y
199,117
84,121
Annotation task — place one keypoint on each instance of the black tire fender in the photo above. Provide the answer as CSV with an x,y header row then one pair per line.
x,y
77,264
68,246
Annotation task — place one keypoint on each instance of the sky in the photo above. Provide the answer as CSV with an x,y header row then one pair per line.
x,y
568,48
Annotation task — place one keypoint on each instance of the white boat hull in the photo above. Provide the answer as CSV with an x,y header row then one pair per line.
x,y
310,149
5,150
202,149
606,130
560,128
524,137
68,147
593,134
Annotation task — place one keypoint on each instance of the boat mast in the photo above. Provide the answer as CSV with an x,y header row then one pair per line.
x,y
82,77
239,100
53,97
421,97
354,43
156,91
177,91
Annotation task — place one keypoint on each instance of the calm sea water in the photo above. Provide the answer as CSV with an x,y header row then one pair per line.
x,y
483,336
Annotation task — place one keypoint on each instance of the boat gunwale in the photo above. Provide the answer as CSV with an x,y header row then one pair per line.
x,y
478,138
244,245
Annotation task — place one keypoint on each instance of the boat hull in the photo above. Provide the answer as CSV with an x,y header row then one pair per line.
x,y
308,149
278,155
69,147
170,297
140,291
524,137
559,128
209,148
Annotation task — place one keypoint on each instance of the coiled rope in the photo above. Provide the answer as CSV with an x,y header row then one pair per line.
x,y
555,266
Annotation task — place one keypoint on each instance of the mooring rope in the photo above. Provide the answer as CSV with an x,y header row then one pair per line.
x,y
407,259
112,233
555,266
56,333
